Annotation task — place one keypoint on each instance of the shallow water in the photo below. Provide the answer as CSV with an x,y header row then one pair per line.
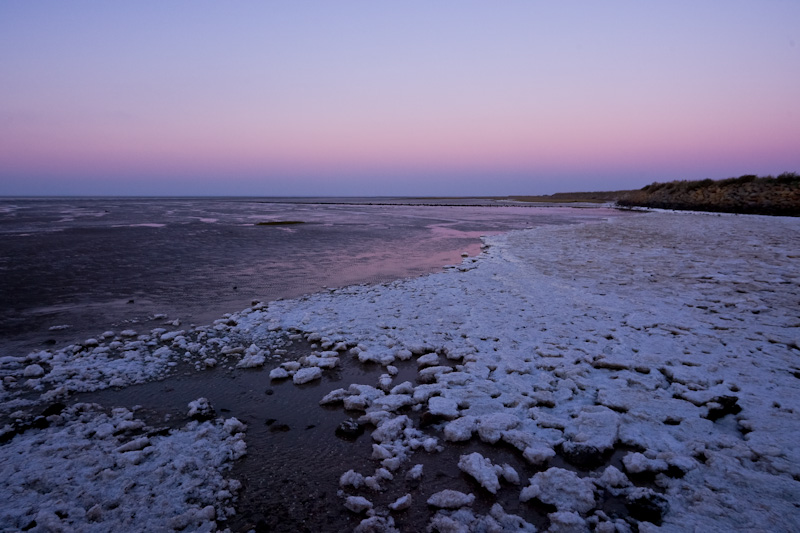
x,y
71,268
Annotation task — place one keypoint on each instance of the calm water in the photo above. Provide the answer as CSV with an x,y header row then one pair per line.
x,y
80,266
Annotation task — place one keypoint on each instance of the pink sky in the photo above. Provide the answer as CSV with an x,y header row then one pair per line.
x,y
355,98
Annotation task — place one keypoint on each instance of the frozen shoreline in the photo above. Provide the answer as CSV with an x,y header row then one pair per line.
x,y
673,335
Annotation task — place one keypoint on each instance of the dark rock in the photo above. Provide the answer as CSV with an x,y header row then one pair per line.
x,y
722,406
428,419
650,507
40,422
269,421
583,457
282,428
349,430
7,435
54,409
269,392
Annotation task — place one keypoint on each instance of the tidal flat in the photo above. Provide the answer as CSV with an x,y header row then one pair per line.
x,y
617,373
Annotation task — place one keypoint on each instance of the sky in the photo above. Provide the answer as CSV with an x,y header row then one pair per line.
x,y
406,98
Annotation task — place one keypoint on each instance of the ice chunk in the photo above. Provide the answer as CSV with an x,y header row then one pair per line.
x,y
492,426
594,430
507,472
357,504
566,522
415,473
329,361
561,488
233,426
391,429
450,499
444,407
402,503
304,375
460,429
636,463
134,445
251,361
392,402
278,373
334,396
351,478
33,371
431,359
376,524
200,409
403,388
481,469
613,477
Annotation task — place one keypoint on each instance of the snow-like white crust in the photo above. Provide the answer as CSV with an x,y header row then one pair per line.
x,y
93,471
676,335
562,488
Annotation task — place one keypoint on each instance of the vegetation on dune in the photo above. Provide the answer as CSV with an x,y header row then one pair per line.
x,y
597,197
746,194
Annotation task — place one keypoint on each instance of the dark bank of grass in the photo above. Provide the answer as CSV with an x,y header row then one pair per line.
x,y
747,194
279,223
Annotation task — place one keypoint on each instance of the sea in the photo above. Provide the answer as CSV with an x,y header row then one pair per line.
x,y
71,268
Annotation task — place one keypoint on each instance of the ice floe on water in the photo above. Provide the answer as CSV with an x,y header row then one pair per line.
x,y
643,370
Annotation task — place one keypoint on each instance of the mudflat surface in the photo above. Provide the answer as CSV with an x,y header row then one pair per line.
x,y
81,266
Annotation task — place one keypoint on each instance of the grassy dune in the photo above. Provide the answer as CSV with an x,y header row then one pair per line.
x,y
746,194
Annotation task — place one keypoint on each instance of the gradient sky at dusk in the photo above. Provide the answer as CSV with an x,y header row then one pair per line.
x,y
405,98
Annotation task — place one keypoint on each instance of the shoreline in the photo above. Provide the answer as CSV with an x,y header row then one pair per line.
x,y
550,343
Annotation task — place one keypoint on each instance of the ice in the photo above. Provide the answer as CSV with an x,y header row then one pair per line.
x,y
306,375
278,373
491,427
460,429
450,499
71,476
566,522
415,473
33,371
376,524
431,359
671,334
392,402
351,478
444,407
401,504
201,409
465,520
357,504
481,469
562,489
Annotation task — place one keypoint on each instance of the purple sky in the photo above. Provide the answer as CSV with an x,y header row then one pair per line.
x,y
407,98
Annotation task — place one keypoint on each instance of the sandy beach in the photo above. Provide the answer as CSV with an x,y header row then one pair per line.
x,y
638,373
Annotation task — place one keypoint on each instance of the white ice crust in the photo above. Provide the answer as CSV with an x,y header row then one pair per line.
x,y
675,335
90,471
